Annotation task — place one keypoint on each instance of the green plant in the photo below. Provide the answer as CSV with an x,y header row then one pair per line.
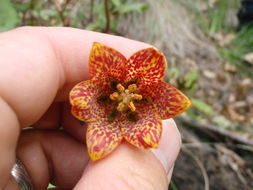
x,y
189,82
213,17
50,186
106,15
218,14
173,185
8,16
203,107
238,48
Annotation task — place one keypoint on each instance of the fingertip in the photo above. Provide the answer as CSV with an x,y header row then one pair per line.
x,y
126,168
170,144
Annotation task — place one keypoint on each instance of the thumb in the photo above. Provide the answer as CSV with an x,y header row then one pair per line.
x,y
129,168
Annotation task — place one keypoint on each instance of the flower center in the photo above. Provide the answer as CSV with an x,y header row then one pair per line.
x,y
125,97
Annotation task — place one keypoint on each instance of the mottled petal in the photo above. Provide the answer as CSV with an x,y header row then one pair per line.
x,y
84,114
165,100
106,62
84,100
146,66
102,138
145,133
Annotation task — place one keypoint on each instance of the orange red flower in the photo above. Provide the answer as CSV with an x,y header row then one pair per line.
x,y
125,99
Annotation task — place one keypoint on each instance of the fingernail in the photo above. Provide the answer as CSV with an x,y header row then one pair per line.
x,y
162,158
169,174
170,144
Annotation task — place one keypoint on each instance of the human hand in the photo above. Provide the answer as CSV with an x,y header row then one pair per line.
x,y
38,67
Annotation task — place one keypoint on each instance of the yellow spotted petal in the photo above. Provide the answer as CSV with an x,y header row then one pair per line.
x,y
84,98
106,63
102,138
145,133
166,100
146,66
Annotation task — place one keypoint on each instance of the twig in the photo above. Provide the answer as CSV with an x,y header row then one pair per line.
x,y
107,15
201,166
190,122
244,147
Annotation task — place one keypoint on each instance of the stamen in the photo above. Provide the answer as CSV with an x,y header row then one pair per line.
x,y
132,87
125,99
127,91
137,96
120,88
131,106
114,96
121,107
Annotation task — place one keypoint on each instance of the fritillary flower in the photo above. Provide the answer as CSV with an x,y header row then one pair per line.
x,y
125,99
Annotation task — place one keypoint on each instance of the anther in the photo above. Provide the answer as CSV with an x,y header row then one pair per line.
x,y
137,97
131,106
132,87
121,107
120,88
114,96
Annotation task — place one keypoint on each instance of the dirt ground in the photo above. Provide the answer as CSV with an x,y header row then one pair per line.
x,y
212,157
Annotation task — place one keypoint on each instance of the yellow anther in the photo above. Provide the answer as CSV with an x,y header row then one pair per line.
x,y
131,106
125,97
120,88
121,107
137,96
132,87
114,96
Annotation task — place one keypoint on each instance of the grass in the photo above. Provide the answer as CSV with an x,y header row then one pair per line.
x,y
239,47
214,20
218,16
173,185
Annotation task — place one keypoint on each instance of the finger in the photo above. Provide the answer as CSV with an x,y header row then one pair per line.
x,y
11,184
72,125
9,131
51,119
37,64
170,140
51,156
130,168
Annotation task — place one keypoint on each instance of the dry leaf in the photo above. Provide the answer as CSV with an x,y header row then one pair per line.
x,y
249,58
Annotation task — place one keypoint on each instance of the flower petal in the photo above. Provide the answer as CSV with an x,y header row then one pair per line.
x,y
144,133
84,100
147,66
102,138
83,114
106,62
166,100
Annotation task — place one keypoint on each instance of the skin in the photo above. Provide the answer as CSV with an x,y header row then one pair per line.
x,y
38,67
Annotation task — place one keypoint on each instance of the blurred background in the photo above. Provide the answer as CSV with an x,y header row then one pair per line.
x,y
209,48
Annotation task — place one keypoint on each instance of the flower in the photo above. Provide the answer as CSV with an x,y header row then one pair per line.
x,y
125,99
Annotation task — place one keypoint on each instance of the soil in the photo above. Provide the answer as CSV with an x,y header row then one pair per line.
x,y
210,159
223,164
